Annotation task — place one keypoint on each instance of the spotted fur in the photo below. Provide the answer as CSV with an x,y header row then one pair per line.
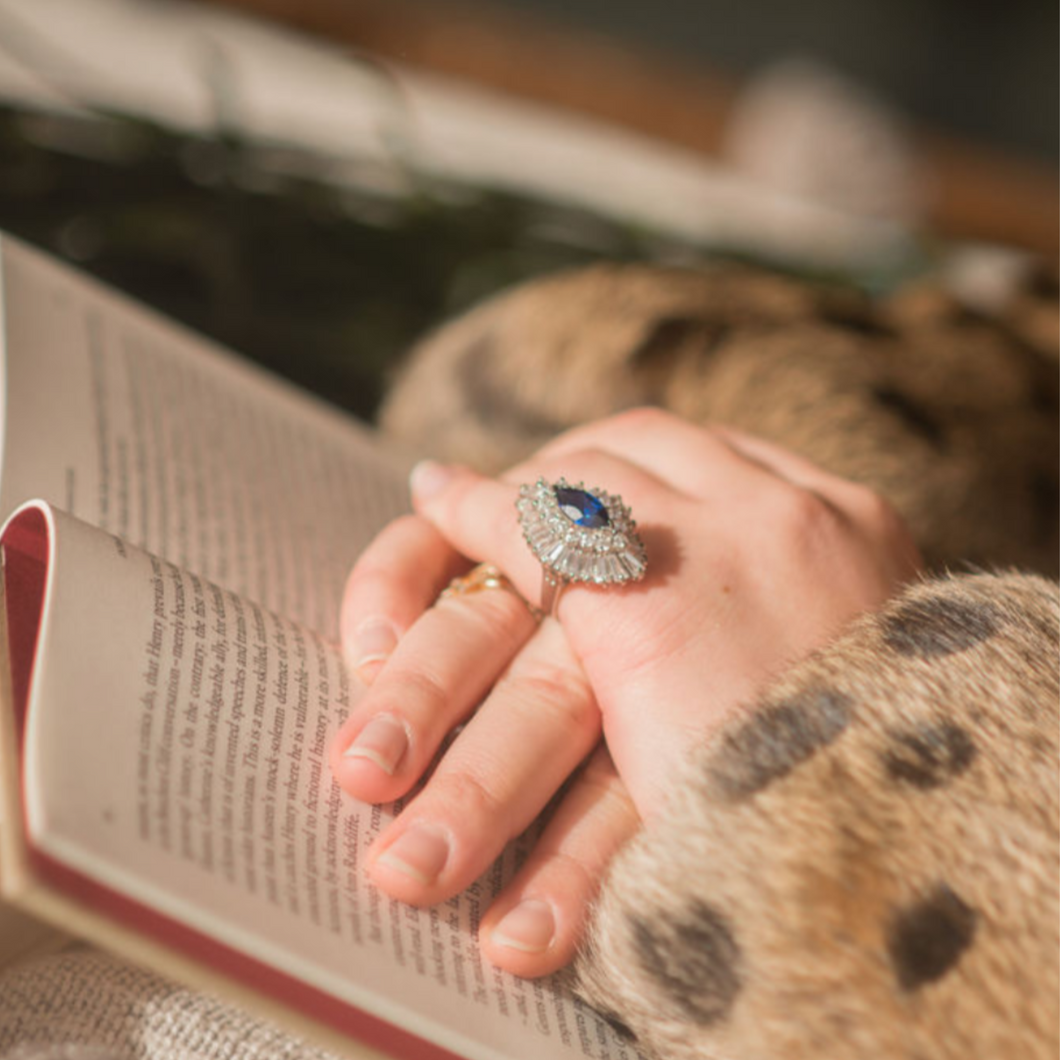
x,y
892,894
864,863
950,415
926,940
777,739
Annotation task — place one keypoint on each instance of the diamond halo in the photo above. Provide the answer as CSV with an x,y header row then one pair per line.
x,y
579,535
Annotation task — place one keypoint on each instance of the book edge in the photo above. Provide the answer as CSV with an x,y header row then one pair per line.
x,y
53,917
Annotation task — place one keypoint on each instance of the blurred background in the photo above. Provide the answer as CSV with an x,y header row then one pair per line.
x,y
317,182
979,69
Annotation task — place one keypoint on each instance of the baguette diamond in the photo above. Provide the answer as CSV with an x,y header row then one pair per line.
x,y
580,535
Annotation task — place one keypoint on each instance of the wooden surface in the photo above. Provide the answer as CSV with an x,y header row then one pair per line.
x,y
972,192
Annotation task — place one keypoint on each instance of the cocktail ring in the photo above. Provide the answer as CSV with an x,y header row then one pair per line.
x,y
485,576
579,535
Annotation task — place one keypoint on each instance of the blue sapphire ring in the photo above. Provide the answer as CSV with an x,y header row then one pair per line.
x,y
579,535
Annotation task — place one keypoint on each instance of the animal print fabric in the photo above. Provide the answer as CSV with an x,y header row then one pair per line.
x,y
949,413
865,863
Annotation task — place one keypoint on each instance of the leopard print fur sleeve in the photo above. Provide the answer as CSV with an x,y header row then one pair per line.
x,y
865,864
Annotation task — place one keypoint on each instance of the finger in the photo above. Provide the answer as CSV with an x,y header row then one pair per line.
x,y
393,582
537,923
531,733
863,506
478,514
786,464
439,673
690,459
711,462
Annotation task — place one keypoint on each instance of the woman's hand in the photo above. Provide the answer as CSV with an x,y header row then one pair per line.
x,y
756,557
430,667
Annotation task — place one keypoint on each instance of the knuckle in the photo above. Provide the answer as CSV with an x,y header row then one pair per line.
x,y
470,798
478,518
584,876
616,820
876,512
804,527
421,688
802,512
460,504
364,600
886,529
368,579
384,570
641,418
656,639
563,693
495,616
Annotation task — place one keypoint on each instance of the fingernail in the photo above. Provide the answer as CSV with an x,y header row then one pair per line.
x,y
529,927
373,642
428,479
382,741
421,852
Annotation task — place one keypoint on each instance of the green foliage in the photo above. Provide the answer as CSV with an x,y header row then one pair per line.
x,y
261,248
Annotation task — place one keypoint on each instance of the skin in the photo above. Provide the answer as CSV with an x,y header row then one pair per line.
x,y
756,558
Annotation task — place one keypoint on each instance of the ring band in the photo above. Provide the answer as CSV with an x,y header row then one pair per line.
x,y
579,535
486,576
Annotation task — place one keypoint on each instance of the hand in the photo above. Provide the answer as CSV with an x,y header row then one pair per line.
x,y
444,661
756,557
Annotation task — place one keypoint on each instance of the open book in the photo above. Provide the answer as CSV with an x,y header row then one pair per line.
x,y
178,530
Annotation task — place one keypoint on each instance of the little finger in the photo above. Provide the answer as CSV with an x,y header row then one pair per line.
x,y
537,923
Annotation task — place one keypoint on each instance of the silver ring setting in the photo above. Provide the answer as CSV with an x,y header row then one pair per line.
x,y
579,535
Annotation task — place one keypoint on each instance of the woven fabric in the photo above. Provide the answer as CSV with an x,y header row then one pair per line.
x,y
82,1004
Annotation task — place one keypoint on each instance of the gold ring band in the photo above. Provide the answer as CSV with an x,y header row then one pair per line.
x,y
486,576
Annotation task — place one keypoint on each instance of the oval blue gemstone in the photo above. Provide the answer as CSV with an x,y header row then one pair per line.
x,y
581,507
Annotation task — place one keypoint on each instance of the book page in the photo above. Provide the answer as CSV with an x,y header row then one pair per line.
x,y
154,434
178,757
